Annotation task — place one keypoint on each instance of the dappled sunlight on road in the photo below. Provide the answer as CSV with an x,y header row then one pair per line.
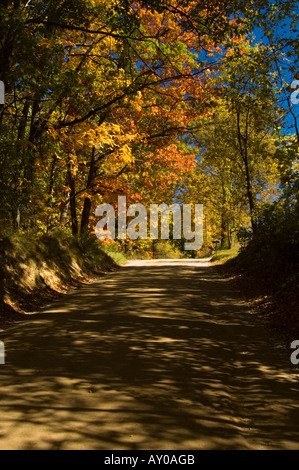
x,y
159,355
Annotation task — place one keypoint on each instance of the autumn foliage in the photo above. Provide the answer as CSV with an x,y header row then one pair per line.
x,y
146,99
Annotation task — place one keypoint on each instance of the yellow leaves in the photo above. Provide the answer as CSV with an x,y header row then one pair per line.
x,y
107,135
118,159
126,155
65,188
46,43
53,133
26,143
72,158
110,139
137,103
104,3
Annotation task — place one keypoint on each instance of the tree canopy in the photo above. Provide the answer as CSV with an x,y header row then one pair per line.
x,y
161,101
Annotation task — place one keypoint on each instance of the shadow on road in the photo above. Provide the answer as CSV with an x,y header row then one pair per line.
x,y
155,356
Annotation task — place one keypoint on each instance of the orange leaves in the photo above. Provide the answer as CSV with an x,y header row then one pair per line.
x,y
160,171
173,158
125,95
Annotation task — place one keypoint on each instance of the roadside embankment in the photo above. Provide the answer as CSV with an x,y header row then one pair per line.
x,y
39,268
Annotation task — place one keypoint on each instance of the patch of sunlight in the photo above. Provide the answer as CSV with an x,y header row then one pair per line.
x,y
164,340
270,372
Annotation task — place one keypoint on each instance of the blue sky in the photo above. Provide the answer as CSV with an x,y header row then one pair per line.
x,y
285,30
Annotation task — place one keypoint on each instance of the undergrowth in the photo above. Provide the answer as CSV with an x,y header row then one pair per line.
x,y
37,267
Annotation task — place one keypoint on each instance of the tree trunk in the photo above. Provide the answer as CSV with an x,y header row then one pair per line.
x,y
87,201
64,210
243,144
85,215
23,120
229,237
95,159
2,276
51,189
223,236
72,185
249,192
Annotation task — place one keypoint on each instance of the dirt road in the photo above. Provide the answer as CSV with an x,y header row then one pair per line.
x,y
158,355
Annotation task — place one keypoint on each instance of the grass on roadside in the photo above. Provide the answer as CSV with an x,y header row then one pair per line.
x,y
112,251
223,255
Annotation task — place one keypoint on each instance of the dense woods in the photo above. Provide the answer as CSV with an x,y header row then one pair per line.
x,y
180,329
161,101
